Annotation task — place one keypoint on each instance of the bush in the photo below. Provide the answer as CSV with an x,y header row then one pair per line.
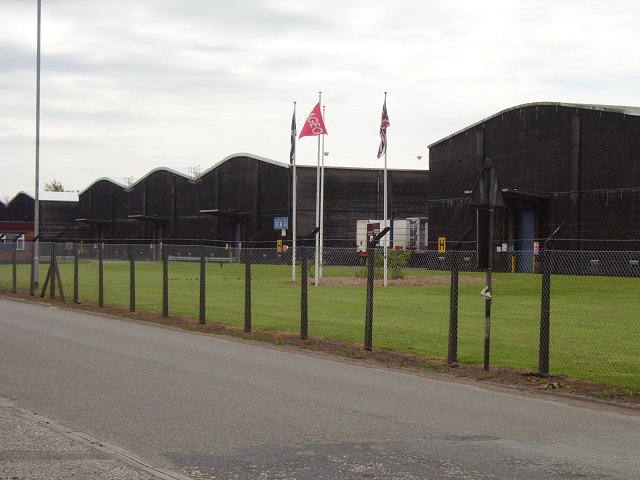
x,y
397,261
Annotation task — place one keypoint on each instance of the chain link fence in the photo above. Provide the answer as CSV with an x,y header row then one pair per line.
x,y
588,314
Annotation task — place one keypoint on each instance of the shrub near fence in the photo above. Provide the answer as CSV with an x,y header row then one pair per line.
x,y
594,316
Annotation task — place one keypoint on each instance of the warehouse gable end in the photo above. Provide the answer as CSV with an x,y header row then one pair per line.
x,y
559,163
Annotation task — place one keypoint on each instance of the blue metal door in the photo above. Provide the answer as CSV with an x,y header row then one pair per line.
x,y
525,231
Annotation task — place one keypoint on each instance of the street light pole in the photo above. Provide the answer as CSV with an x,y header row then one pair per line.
x,y
36,213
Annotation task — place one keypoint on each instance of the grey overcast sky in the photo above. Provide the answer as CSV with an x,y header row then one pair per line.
x,y
132,85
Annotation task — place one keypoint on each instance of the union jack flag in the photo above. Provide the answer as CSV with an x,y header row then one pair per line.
x,y
384,123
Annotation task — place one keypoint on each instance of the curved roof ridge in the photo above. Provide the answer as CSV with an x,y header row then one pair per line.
x,y
21,192
99,180
623,110
248,155
159,169
181,174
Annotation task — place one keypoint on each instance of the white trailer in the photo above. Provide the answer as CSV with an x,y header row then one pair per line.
x,y
406,234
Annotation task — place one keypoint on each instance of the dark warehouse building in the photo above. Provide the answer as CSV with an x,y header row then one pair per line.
x,y
568,165
58,210
353,194
557,164
233,202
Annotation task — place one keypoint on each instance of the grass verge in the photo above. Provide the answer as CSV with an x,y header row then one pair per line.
x,y
524,381
595,321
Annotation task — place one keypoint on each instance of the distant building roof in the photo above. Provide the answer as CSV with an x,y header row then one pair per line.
x,y
51,196
622,110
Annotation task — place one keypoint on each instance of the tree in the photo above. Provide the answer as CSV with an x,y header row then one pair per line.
x,y
53,186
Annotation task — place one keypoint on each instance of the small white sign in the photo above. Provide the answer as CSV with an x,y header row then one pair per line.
x,y
485,293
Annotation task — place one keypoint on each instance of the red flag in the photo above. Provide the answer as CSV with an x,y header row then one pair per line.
x,y
313,125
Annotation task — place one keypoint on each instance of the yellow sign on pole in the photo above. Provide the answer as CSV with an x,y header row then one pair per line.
x,y
442,244
279,246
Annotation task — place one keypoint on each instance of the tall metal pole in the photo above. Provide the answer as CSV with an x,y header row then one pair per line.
x,y
386,224
36,213
321,225
294,201
315,272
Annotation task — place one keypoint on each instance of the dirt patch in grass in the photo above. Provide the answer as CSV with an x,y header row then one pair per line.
x,y
399,282
524,381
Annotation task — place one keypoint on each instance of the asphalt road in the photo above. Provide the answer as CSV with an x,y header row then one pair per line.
x,y
211,407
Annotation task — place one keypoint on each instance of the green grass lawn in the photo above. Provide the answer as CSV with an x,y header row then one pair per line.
x,y
595,321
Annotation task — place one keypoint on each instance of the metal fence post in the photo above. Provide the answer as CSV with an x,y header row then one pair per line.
x,y
304,295
15,268
247,296
545,314
368,324
32,286
452,354
52,266
304,285
100,276
545,305
46,282
56,272
165,281
371,260
489,293
203,280
132,280
75,274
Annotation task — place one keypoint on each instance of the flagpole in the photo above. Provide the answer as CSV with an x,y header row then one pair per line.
x,y
321,252
386,240
294,201
316,265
